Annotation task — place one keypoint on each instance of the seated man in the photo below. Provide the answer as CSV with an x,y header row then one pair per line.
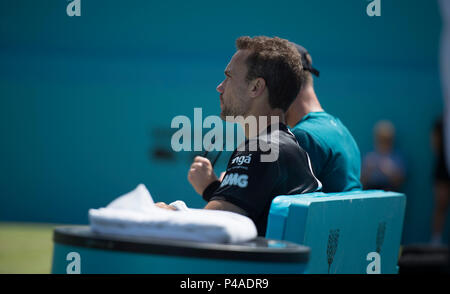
x,y
261,80
335,156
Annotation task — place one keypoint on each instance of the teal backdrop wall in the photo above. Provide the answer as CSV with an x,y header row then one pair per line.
x,y
86,102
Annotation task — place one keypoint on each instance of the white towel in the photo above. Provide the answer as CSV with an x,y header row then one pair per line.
x,y
134,214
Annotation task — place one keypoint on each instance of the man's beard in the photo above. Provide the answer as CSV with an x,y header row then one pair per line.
x,y
224,114
227,111
230,112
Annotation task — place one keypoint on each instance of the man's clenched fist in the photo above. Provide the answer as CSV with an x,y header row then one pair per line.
x,y
201,174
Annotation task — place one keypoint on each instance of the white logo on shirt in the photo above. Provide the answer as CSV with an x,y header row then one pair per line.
x,y
235,180
242,159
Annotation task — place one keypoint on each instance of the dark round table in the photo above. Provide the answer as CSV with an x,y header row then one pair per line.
x,y
79,250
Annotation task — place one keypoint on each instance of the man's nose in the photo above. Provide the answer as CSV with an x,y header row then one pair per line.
x,y
220,88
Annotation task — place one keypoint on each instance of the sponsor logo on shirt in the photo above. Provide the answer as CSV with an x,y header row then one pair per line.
x,y
235,180
242,159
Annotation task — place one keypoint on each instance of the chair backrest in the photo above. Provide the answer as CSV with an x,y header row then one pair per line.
x,y
352,232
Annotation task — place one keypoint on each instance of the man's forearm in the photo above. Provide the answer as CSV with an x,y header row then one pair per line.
x,y
225,205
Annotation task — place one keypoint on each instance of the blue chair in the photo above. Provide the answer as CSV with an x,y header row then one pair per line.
x,y
353,232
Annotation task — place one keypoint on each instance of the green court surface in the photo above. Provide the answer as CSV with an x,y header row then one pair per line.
x,y
25,248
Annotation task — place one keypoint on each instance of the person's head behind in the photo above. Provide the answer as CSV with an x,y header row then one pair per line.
x,y
306,100
308,69
263,70
307,75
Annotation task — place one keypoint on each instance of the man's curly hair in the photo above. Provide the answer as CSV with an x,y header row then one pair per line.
x,y
278,62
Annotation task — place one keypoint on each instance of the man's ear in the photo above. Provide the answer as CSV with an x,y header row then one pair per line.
x,y
257,87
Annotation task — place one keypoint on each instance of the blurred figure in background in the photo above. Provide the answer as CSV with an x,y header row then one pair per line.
x,y
441,183
384,168
444,63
